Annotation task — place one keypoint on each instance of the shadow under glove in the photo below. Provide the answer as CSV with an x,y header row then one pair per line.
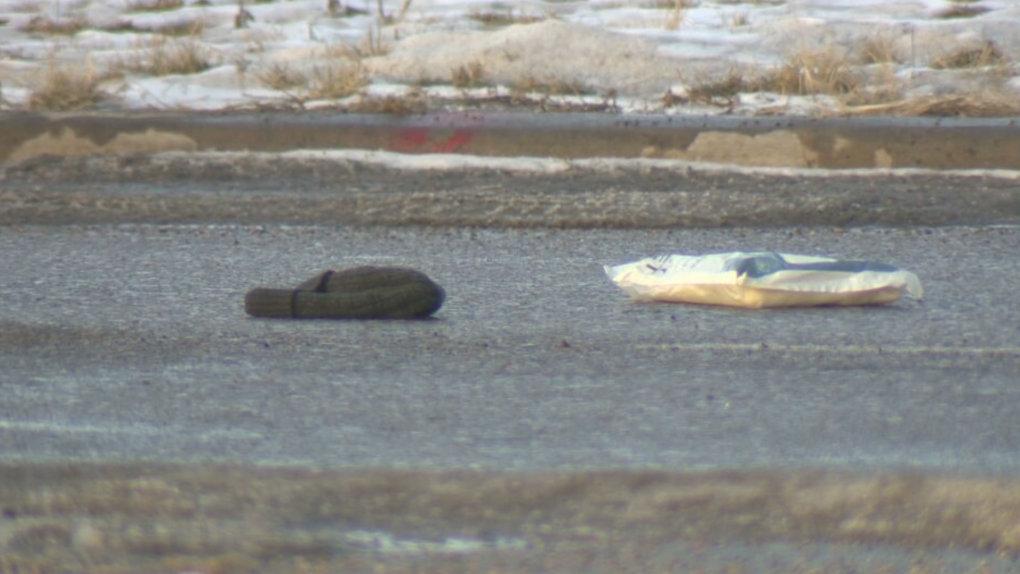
x,y
357,293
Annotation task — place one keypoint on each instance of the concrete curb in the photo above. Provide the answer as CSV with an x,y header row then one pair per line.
x,y
833,143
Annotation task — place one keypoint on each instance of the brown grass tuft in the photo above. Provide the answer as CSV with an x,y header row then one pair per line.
x,y
505,17
529,84
371,44
282,77
987,55
738,20
63,89
820,71
983,104
963,11
879,49
676,13
165,57
154,5
391,18
338,80
51,27
724,88
878,88
184,28
192,28
468,76
25,7
337,9
120,26
413,102
805,74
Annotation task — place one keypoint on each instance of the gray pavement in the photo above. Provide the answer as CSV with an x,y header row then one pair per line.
x,y
130,342
872,439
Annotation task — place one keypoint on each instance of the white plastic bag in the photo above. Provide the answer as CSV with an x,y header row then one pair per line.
x,y
764,279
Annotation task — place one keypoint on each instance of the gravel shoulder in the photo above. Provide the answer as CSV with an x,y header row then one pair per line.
x,y
267,188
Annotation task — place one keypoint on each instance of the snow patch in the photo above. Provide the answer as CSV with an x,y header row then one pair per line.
x,y
549,52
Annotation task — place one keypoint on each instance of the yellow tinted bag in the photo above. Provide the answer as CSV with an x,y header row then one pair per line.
x,y
763,279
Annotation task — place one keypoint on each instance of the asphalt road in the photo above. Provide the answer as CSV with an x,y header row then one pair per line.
x,y
846,440
130,342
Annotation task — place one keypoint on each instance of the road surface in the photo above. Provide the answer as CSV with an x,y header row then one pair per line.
x,y
123,339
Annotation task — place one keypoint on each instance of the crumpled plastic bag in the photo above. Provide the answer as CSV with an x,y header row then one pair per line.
x,y
763,279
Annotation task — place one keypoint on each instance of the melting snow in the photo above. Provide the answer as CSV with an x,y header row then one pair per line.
x,y
631,54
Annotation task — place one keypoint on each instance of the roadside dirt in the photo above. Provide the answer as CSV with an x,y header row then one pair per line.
x,y
92,518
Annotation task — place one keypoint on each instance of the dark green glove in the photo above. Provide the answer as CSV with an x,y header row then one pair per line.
x,y
358,293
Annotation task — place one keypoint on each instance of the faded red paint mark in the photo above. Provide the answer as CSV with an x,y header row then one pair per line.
x,y
457,140
410,139
428,140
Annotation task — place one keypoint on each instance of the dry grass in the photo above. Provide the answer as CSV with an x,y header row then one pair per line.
x,y
154,5
120,26
983,104
826,71
370,45
468,76
337,80
25,7
879,49
242,17
878,88
221,519
343,76
721,89
813,71
192,28
282,77
738,20
414,102
185,28
50,27
390,18
373,44
961,11
987,55
873,91
337,9
64,89
168,56
555,87
676,13
505,17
